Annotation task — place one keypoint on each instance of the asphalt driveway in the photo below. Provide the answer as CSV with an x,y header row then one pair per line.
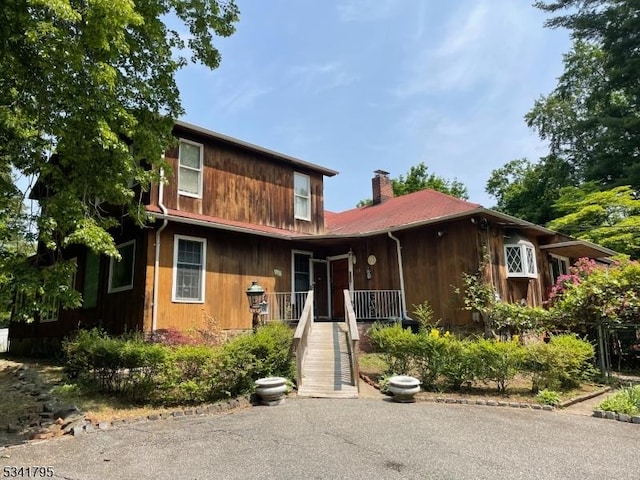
x,y
351,439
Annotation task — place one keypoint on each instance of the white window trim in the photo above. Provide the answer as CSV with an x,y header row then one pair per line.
x,y
564,260
523,245
307,217
133,268
199,170
203,241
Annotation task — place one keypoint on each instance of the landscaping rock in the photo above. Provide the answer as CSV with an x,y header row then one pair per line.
x,y
598,413
623,417
635,419
66,413
610,415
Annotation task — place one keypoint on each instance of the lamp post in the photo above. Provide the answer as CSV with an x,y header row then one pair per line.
x,y
255,296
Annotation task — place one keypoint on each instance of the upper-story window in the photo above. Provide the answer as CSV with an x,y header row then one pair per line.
x,y
302,196
190,169
521,259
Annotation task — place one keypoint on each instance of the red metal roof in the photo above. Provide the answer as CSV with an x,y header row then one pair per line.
x,y
398,212
223,223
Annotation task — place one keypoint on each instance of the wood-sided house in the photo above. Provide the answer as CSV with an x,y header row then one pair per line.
x,y
232,212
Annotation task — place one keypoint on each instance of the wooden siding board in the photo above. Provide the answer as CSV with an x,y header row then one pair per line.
x,y
244,186
233,261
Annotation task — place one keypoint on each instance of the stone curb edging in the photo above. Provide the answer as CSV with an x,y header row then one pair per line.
x,y
83,425
468,401
582,398
620,417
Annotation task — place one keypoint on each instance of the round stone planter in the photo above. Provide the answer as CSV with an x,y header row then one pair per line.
x,y
271,390
404,388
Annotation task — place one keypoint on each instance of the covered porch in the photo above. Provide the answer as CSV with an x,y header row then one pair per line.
x,y
368,305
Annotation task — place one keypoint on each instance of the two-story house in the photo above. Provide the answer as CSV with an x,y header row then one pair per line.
x,y
231,212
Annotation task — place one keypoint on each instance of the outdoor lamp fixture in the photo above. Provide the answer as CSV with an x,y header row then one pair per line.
x,y
255,296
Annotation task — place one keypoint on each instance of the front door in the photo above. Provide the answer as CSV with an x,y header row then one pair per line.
x,y
320,289
339,283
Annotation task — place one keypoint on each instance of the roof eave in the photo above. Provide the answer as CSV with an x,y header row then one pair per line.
x,y
256,148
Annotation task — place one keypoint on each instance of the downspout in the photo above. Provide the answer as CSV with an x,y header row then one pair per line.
x,y
156,265
403,298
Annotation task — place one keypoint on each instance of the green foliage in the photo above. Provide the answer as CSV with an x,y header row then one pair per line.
x,y
627,401
563,363
397,344
460,363
436,358
529,190
88,102
430,356
153,372
518,319
548,397
498,362
591,122
418,178
480,296
610,218
604,295
423,313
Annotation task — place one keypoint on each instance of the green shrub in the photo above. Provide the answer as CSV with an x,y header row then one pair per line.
x,y
497,361
627,401
248,357
460,362
563,363
396,344
429,356
548,397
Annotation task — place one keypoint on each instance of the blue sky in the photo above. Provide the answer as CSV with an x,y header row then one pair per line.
x,y
361,85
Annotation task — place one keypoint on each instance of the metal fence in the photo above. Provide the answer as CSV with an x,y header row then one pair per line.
x,y
284,305
377,304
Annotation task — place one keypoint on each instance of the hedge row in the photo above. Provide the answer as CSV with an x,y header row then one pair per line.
x,y
164,374
444,361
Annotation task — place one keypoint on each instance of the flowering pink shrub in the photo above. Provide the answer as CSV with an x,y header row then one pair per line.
x,y
577,273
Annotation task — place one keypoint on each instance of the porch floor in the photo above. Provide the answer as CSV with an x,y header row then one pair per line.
x,y
327,367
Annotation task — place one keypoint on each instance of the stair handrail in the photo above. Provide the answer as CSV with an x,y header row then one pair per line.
x,y
301,336
353,336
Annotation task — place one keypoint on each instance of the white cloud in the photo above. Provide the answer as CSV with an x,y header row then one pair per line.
x,y
317,78
241,97
486,44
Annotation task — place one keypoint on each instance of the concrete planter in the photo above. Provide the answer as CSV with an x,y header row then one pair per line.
x,y
271,390
404,388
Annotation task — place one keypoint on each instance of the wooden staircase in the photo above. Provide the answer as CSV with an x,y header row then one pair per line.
x,y
327,369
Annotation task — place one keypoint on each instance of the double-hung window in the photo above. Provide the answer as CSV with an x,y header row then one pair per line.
x,y
190,169
520,259
189,261
302,196
121,272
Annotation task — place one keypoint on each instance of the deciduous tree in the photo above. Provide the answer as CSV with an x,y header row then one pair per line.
x,y
87,101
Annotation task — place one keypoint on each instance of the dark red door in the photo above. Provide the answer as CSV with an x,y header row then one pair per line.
x,y
339,282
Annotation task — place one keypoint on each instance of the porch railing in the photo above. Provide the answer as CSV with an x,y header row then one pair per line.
x,y
377,304
284,305
353,335
301,336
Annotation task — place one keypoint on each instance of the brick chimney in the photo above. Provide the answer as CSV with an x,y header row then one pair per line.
x,y
382,189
